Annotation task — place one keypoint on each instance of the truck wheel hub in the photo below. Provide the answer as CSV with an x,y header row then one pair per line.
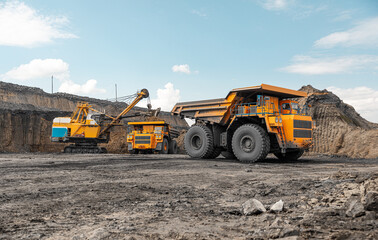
x,y
196,142
247,144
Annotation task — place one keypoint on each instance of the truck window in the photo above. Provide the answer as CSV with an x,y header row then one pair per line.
x,y
158,129
286,106
295,106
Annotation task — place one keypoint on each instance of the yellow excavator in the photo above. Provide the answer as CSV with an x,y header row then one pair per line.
x,y
86,130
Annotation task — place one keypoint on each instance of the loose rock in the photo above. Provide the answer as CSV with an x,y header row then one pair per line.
x,y
253,206
277,207
354,207
371,201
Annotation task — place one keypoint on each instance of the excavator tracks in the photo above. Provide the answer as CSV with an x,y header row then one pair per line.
x,y
84,149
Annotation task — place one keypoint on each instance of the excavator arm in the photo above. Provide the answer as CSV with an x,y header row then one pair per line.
x,y
142,94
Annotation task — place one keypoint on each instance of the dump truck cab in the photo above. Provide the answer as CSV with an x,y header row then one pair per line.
x,y
151,136
248,124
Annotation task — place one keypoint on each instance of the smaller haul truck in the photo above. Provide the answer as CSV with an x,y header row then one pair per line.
x,y
151,136
248,124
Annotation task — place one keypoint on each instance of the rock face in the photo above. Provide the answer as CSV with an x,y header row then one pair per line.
x,y
340,130
26,116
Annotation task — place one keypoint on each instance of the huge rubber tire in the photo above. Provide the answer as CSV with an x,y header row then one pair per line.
x,y
228,155
250,143
290,156
216,152
199,142
165,147
172,147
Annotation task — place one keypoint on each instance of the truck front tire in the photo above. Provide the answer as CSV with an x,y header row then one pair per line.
x,y
250,143
199,142
165,147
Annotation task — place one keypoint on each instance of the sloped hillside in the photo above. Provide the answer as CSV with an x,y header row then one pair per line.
x,y
340,130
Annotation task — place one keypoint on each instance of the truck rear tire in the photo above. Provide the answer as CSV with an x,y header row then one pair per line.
x,y
199,142
173,147
228,154
250,143
216,152
290,156
165,147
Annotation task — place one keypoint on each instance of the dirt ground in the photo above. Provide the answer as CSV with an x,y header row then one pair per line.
x,y
58,196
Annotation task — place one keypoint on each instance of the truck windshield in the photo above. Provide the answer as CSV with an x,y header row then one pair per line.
x,y
286,106
158,129
295,106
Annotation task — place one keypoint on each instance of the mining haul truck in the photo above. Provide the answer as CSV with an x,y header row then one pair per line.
x,y
151,136
85,130
248,124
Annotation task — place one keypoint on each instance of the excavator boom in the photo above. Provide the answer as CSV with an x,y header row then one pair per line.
x,y
142,94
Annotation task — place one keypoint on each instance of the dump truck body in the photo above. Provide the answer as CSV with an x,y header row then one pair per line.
x,y
269,113
151,136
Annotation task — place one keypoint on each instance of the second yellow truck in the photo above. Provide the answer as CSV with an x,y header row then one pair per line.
x,y
151,136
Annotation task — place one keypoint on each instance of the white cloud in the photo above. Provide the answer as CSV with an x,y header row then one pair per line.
x,y
90,87
316,66
343,16
166,98
39,68
200,13
43,69
364,34
363,99
274,5
184,68
23,26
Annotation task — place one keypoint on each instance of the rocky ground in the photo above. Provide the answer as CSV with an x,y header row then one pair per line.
x,y
58,196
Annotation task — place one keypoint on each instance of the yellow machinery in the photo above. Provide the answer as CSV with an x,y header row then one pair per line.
x,y
248,124
86,130
151,136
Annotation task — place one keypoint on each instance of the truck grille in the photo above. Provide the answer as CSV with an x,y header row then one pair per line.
x,y
299,133
142,139
302,124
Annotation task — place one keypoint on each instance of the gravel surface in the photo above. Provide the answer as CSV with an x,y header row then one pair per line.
x,y
58,196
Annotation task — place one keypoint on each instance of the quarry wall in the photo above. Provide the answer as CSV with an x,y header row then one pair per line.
x,y
26,116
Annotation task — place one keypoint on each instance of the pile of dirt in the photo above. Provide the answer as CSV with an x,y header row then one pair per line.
x,y
26,115
180,142
340,130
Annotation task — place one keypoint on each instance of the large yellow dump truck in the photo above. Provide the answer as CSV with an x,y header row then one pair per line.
x,y
151,136
248,124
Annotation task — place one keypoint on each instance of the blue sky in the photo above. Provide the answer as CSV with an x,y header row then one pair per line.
x,y
191,50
